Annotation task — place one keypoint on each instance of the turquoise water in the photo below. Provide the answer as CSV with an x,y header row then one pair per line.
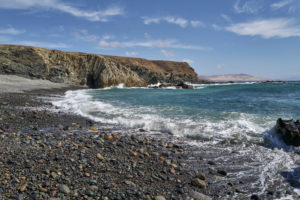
x,y
241,111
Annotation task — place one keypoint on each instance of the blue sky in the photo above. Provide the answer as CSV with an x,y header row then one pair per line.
x,y
257,37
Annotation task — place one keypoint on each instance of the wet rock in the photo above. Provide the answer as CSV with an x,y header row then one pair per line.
x,y
222,172
184,86
211,162
289,130
254,197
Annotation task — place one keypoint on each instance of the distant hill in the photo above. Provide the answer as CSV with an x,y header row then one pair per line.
x,y
232,77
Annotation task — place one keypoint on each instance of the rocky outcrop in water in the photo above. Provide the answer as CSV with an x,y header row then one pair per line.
x,y
96,71
180,85
289,130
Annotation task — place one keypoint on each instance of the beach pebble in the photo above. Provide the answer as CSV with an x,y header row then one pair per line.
x,y
199,196
199,183
93,128
100,157
64,189
23,188
160,198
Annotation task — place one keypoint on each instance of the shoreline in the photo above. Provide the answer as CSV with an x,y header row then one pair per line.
x,y
57,155
45,149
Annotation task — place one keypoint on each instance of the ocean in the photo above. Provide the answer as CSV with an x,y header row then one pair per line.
x,y
235,117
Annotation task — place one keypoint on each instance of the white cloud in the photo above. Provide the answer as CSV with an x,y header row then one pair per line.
x,y
167,53
226,18
196,23
110,44
216,27
107,37
85,36
172,20
11,31
251,6
44,44
281,4
188,61
131,54
101,15
173,44
270,28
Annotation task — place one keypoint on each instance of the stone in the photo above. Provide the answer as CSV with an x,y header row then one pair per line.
x,y
133,154
201,176
100,157
53,175
159,197
90,193
254,197
64,189
19,197
94,129
130,183
199,196
222,172
23,188
199,183
289,130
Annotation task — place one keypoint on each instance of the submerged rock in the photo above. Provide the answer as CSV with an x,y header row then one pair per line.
x,y
289,130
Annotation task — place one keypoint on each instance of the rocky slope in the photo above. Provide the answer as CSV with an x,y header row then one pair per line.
x,y
232,77
96,71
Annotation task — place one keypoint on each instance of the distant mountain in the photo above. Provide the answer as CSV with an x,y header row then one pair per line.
x,y
232,77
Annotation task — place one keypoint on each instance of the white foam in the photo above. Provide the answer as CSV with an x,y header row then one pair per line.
x,y
233,125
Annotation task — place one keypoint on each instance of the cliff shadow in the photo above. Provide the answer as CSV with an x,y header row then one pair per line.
x,y
90,82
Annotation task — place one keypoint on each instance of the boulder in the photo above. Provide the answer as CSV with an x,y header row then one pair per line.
x,y
184,85
289,130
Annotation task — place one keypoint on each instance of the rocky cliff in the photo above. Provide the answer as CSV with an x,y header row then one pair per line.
x,y
93,70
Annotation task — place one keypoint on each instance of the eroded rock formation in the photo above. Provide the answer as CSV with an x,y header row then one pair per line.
x,y
96,71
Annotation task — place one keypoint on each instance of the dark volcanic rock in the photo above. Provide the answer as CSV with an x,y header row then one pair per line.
x,y
289,130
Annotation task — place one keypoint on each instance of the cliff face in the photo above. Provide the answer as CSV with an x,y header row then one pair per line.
x,y
96,71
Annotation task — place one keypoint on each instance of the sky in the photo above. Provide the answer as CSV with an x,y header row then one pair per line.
x,y
257,37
